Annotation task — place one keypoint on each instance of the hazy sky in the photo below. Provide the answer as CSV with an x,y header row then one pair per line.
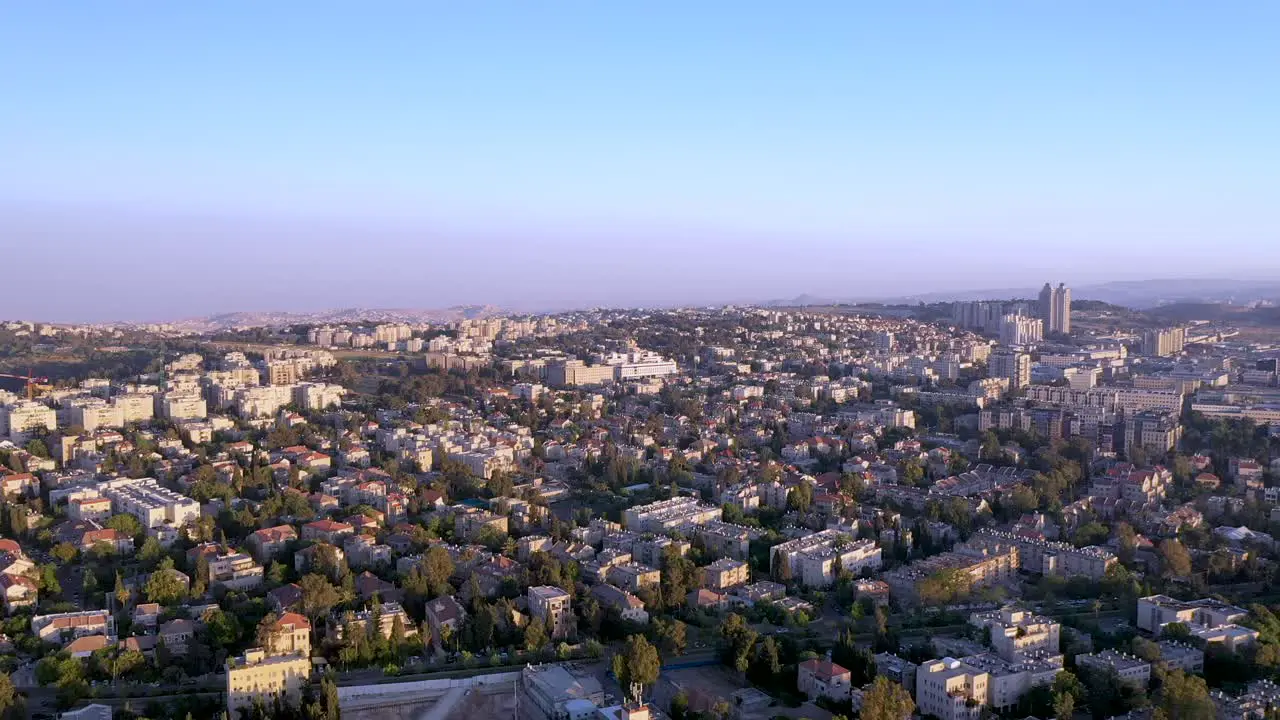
x,y
161,160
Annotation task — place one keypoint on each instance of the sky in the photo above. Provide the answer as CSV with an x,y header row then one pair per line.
x,y
167,160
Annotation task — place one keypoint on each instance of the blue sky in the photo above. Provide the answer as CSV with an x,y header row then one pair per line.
x,y
188,158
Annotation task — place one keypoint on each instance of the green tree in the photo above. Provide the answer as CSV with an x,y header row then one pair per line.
x,y
8,696
125,524
886,700
1175,561
318,595
38,448
65,552
164,586
636,666
800,497
1064,706
150,552
122,593
1186,697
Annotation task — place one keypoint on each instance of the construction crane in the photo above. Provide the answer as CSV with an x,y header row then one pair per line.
x,y
33,384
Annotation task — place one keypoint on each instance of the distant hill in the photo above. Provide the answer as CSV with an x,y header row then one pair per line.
x,y
240,320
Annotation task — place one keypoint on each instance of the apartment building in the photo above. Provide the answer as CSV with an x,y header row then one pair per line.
x,y
821,566
551,605
1015,633
21,418
1020,330
1164,342
97,509
469,524
1008,681
982,567
257,676
673,514
1046,557
785,557
290,635
182,406
262,401
1131,670
234,571
318,396
633,576
1180,656
1012,366
152,504
951,690
727,540
330,531
1152,431
135,407
724,574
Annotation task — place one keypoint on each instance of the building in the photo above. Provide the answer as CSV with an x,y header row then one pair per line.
x,y
1152,431
1157,611
550,688
951,690
980,567
444,616
470,524
19,592
633,576
1180,656
267,543
823,679
725,573
1020,330
234,571
674,514
257,676
727,540
62,627
22,418
290,635
1012,366
1164,342
152,504
1015,632
821,566
329,531
1131,670
549,604
1009,680
629,607
1045,557
1055,308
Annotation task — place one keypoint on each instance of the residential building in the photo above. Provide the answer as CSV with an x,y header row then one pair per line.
x,y
234,571
1152,431
1164,342
1180,656
823,679
1046,557
1011,365
1055,308
256,676
152,504
549,688
674,514
549,604
951,690
63,627
1157,611
1015,632
725,573
267,543
1019,330
1131,670
290,635
628,606
444,616
633,576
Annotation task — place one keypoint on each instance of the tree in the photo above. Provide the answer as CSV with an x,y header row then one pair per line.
x,y
164,586
800,498
151,552
1064,706
1022,499
318,595
1186,697
535,636
122,593
1175,561
38,448
125,524
8,696
886,700
65,552
636,666
671,635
